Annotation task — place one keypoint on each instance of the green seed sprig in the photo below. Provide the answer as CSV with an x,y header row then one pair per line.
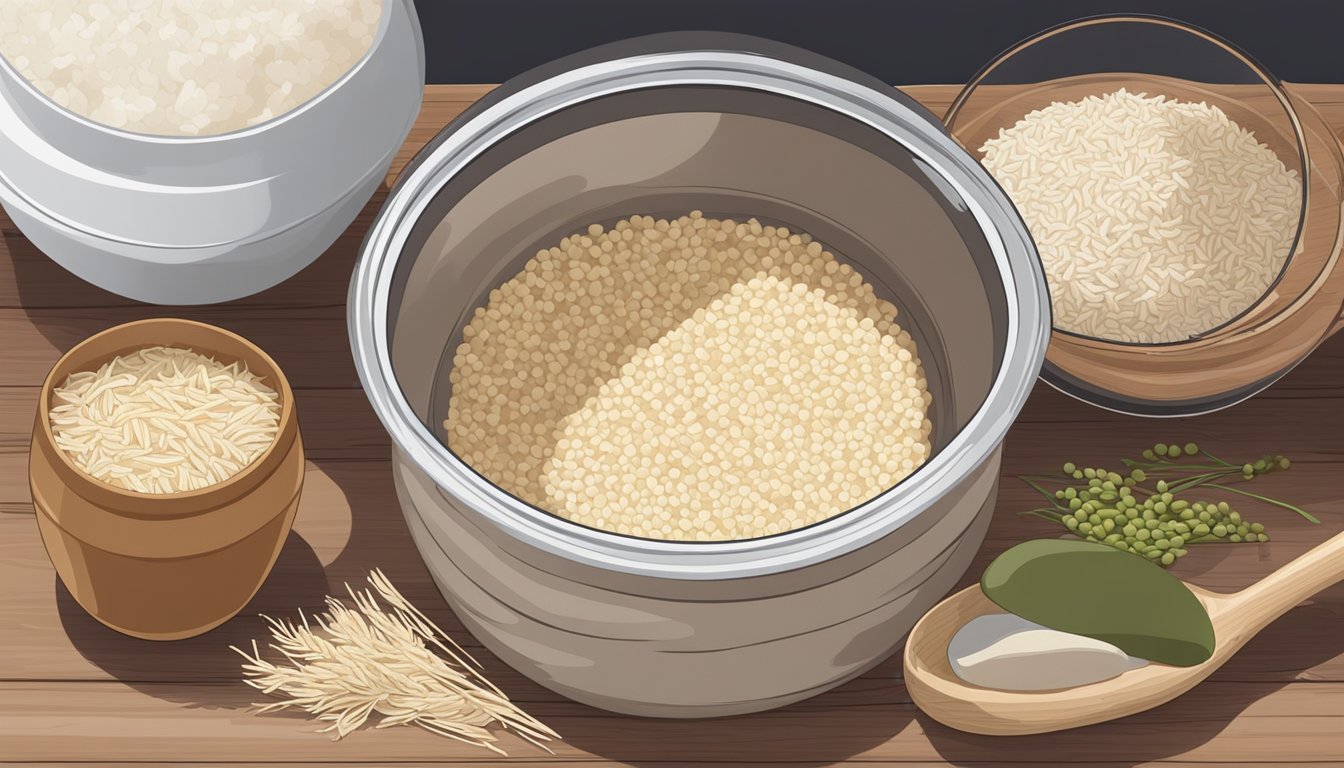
x,y
1157,521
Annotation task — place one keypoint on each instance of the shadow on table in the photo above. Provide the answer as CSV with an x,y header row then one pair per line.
x,y
1265,665
378,537
856,718
609,737
200,671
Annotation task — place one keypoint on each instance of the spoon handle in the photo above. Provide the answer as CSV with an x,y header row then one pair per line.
x,y
1251,609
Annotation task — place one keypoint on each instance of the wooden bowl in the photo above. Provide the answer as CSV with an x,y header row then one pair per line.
x,y
1241,357
165,566
1245,355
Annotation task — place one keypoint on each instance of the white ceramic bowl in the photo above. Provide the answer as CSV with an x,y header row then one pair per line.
x,y
197,220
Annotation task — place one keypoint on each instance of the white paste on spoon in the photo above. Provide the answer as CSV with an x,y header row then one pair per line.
x,y
1009,653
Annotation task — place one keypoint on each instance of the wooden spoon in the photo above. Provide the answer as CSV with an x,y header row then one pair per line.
x,y
1236,618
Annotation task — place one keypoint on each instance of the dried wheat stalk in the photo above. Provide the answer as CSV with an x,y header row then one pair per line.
x,y
369,659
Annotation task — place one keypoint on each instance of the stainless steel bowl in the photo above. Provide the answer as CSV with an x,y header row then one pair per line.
x,y
197,220
733,126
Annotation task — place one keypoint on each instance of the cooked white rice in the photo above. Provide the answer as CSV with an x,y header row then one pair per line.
x,y
1156,219
768,410
185,67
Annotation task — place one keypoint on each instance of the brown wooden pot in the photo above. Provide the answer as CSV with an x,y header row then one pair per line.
x,y
165,566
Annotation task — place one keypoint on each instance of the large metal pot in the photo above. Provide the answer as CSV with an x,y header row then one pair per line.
x,y
730,125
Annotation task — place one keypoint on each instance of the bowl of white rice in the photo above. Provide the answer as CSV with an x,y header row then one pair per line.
x,y
179,154
697,353
1180,199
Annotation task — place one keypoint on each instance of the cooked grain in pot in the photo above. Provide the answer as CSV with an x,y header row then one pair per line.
x,y
1156,219
768,410
164,420
694,379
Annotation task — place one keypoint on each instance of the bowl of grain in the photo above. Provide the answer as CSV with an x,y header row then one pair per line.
x,y
166,466
1186,207
176,156
697,353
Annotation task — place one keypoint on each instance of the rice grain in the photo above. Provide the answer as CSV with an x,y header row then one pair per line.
x,y
1156,219
690,379
184,67
132,424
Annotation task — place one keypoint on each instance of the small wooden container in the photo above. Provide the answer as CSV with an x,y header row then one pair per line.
x,y
165,566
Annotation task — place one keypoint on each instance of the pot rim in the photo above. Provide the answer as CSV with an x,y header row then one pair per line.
x,y
146,333
772,68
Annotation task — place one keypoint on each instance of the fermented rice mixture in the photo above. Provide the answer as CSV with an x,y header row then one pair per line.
x,y
165,420
185,67
694,379
1156,219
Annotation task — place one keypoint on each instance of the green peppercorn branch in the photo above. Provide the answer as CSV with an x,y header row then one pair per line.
x,y
1163,459
1156,522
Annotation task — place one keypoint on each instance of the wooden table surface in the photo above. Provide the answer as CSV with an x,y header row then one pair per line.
x,y
72,691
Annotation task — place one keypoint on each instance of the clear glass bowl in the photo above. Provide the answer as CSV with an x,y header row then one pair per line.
x,y
1247,353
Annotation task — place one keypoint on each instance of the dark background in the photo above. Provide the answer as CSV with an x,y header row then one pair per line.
x,y
900,41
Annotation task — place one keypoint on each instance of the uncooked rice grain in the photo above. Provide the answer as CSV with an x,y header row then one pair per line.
x,y
164,420
185,67
693,379
1157,220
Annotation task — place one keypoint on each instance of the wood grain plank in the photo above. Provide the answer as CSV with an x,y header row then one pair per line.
x,y
71,690
349,523
309,344
28,279
1254,722
765,759
349,481
321,372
